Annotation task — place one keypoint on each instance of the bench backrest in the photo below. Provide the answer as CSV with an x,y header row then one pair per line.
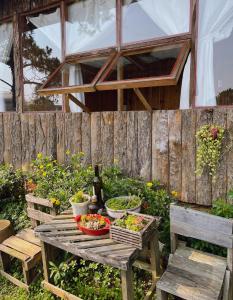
x,y
39,210
202,226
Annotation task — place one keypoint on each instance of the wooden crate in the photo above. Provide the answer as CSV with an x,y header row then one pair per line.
x,y
137,239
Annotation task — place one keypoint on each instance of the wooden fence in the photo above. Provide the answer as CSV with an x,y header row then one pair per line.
x,y
158,145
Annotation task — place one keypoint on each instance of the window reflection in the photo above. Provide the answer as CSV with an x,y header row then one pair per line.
x,y
91,25
41,42
148,19
7,81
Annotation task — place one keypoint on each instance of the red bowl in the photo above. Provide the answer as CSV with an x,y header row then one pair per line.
x,y
96,232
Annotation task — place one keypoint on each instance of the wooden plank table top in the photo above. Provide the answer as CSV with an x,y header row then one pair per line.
x,y
62,232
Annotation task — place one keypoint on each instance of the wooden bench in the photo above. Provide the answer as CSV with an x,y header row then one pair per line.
x,y
192,274
24,246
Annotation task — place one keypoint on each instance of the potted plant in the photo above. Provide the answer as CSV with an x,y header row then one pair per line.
x,y
116,207
79,203
134,229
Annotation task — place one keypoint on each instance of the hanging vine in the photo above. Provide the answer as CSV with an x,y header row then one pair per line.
x,y
209,148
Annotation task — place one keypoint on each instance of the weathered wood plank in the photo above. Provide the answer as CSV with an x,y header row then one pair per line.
x,y
51,135
58,291
41,143
22,246
14,280
38,215
204,182
8,151
107,139
160,157
132,143
60,124
120,139
38,200
32,137
175,146
188,181
96,151
2,141
25,141
230,152
28,235
86,137
144,144
76,145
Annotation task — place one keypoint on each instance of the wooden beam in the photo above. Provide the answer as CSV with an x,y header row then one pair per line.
x,y
79,103
58,291
193,67
120,92
17,47
142,99
14,280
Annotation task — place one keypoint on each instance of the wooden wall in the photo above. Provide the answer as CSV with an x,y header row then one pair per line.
x,y
160,145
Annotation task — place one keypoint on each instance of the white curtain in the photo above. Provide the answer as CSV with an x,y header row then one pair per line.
x,y
215,24
50,26
91,24
172,17
76,78
6,40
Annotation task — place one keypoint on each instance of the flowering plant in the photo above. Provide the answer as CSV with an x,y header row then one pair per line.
x,y
209,146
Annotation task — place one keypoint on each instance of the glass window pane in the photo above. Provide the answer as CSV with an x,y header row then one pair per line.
x,y
41,41
214,55
91,25
148,19
77,73
7,82
156,62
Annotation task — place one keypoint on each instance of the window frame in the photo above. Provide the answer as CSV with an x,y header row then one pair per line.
x,y
164,80
44,90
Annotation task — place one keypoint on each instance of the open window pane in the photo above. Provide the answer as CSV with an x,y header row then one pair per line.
x,y
41,50
156,62
77,73
90,25
7,82
149,19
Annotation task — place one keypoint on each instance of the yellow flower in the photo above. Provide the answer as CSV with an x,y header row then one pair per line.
x,y
39,155
53,200
174,194
41,167
49,165
58,203
80,194
44,174
82,153
67,152
149,184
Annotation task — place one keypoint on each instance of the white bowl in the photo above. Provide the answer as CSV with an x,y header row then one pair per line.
x,y
116,214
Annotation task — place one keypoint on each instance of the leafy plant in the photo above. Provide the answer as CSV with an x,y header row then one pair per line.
x,y
122,203
131,222
209,146
11,182
79,197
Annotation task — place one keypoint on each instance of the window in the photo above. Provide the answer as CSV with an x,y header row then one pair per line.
x,y
156,66
41,51
149,19
7,80
214,55
90,25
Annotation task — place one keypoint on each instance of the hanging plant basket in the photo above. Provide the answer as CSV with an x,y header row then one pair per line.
x,y
209,148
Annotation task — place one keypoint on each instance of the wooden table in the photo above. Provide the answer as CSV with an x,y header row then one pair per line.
x,y
62,233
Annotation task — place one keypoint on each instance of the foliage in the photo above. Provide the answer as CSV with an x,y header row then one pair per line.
x,y
11,182
131,222
122,203
16,213
222,209
79,197
59,182
209,146
90,280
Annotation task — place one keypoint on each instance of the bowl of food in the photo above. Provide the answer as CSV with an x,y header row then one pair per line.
x,y
93,224
116,207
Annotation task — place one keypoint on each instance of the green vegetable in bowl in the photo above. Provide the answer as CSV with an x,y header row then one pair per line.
x,y
122,203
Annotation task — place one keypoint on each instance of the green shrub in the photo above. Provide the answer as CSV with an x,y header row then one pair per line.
x,y
11,183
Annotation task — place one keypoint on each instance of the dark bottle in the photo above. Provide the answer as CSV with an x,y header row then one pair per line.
x,y
93,206
97,184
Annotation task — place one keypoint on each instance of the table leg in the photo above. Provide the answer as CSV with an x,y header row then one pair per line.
x,y
45,260
127,284
155,257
